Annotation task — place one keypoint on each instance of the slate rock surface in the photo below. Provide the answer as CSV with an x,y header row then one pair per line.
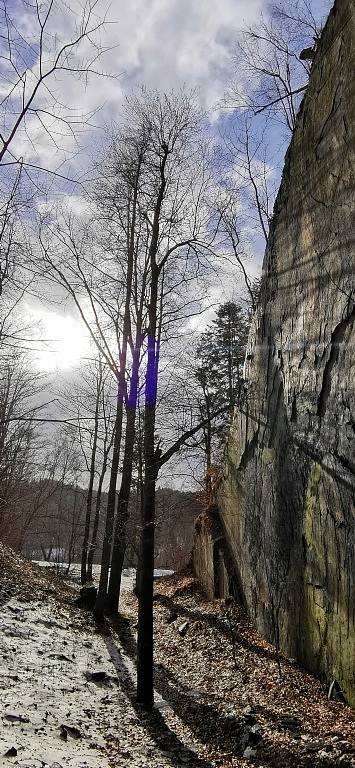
x,y
286,500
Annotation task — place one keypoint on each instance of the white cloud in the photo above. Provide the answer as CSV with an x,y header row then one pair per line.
x,y
165,43
162,44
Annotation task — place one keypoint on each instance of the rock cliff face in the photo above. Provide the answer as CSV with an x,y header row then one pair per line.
x,y
286,501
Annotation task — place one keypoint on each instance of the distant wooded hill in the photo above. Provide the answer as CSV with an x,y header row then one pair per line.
x,y
47,523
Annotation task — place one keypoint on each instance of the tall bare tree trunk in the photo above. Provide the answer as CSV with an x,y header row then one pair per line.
x,y
145,683
145,674
95,528
139,507
84,552
120,540
110,513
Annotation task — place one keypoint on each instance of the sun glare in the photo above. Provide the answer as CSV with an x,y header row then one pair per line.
x,y
62,340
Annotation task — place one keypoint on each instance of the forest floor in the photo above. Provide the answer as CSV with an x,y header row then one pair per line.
x,y
67,687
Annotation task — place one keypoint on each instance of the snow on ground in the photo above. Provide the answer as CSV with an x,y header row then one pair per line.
x,y
63,694
128,574
64,687
47,700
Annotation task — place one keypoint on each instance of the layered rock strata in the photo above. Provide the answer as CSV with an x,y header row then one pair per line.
x,y
286,500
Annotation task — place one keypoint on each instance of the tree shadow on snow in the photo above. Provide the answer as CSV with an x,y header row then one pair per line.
x,y
205,721
214,622
152,720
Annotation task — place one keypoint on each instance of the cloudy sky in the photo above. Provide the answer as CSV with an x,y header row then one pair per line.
x,y
165,43
162,44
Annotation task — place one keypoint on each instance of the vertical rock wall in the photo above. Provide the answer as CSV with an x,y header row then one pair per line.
x,y
287,497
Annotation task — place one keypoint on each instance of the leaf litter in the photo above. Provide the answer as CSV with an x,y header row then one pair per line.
x,y
67,686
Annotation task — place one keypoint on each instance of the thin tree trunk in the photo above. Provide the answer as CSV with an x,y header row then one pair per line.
x,y
145,677
108,440
95,528
120,540
110,513
140,506
84,552
73,533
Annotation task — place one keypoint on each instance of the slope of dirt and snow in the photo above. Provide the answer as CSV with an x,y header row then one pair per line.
x,y
67,687
47,702
46,657
226,696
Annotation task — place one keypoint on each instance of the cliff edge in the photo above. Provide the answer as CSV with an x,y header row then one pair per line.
x,y
286,500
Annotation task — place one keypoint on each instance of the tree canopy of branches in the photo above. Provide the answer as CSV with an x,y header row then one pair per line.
x,y
275,57
42,45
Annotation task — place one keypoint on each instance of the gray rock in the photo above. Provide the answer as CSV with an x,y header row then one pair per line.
x,y
286,496
182,629
98,676
11,752
88,594
16,717
313,746
69,730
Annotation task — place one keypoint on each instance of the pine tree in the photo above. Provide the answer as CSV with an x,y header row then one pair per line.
x,y
220,353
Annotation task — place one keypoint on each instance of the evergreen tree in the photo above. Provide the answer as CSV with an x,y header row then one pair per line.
x,y
219,372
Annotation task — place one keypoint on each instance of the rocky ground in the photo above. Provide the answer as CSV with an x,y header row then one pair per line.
x,y
67,687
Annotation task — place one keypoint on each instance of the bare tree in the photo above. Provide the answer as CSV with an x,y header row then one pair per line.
x,y
74,259
89,400
21,444
178,241
59,525
91,466
30,66
107,442
275,57
34,68
120,199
